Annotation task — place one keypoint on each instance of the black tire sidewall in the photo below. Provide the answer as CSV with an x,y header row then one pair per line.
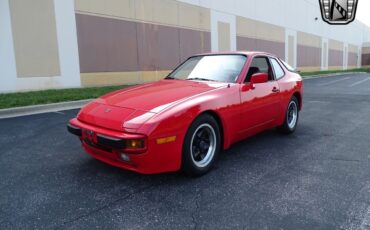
x,y
285,127
188,165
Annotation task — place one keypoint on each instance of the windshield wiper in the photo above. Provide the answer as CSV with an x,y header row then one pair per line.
x,y
170,78
200,79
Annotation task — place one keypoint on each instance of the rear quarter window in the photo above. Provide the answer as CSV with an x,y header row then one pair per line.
x,y
278,70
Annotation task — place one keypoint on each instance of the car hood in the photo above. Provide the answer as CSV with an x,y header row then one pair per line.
x,y
128,109
157,96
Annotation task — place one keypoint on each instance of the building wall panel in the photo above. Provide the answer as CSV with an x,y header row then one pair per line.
x,y
158,47
116,45
308,56
277,48
259,30
352,59
335,58
309,51
335,54
35,38
106,45
365,58
162,12
193,42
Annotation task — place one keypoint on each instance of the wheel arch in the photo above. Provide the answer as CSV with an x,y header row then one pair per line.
x,y
299,98
220,123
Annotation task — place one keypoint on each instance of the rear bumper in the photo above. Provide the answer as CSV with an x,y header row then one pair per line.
x,y
107,148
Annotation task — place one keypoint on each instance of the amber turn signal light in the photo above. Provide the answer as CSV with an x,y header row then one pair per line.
x,y
135,144
166,140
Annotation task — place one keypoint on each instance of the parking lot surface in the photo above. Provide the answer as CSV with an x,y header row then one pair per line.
x,y
317,178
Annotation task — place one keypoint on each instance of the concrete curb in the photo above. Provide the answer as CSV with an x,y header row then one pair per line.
x,y
37,109
331,75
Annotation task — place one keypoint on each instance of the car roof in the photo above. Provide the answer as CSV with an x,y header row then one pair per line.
x,y
248,53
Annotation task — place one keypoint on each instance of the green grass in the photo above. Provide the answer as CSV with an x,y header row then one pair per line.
x,y
315,73
11,100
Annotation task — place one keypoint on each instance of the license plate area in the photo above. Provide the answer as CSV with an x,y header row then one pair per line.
x,y
90,138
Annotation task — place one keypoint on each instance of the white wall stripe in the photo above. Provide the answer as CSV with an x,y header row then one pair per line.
x,y
221,17
67,46
345,56
67,41
8,69
324,54
289,32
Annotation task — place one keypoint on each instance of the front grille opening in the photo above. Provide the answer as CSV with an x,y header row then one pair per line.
x,y
97,146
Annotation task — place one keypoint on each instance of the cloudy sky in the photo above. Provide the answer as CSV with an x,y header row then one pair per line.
x,y
363,11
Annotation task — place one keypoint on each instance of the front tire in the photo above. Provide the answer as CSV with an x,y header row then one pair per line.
x,y
201,146
291,117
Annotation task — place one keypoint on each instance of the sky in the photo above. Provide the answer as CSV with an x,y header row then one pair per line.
x,y
363,11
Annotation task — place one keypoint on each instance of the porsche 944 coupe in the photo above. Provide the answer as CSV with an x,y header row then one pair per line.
x,y
185,120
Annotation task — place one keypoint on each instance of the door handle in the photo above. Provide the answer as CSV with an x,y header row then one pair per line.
x,y
275,90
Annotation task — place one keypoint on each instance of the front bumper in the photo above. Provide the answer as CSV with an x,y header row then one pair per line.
x,y
101,140
106,146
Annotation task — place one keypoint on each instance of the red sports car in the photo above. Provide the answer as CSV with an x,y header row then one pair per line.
x,y
184,121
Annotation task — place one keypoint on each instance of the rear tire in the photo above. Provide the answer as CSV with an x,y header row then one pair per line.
x,y
291,117
201,146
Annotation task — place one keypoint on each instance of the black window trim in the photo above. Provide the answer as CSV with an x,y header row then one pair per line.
x,y
268,62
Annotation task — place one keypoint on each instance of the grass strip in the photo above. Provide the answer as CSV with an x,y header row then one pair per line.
x,y
10,100
316,73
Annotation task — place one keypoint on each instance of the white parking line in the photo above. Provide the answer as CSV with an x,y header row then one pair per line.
x,y
360,82
58,112
332,82
320,102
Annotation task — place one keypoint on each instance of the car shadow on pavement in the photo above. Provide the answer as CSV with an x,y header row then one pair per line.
x,y
238,154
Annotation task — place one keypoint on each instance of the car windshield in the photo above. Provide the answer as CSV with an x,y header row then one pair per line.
x,y
220,68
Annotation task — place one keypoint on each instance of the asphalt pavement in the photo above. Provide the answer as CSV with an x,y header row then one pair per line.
x,y
317,178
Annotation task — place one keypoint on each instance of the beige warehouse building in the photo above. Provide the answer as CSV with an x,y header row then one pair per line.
x,y
82,43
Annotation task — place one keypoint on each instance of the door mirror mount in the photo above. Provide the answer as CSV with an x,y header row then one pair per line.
x,y
259,78
246,87
256,78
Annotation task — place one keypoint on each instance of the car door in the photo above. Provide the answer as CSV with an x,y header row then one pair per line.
x,y
260,104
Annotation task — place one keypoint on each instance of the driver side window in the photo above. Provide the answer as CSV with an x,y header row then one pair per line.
x,y
259,65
